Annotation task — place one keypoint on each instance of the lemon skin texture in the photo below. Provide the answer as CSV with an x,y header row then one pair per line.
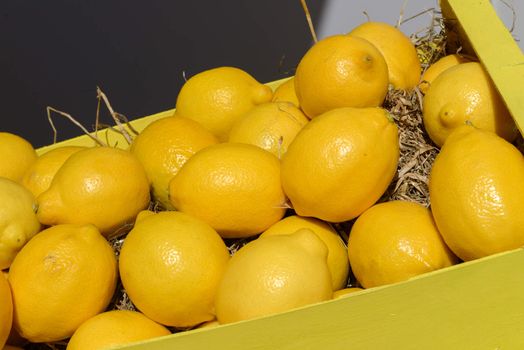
x,y
340,163
341,71
476,189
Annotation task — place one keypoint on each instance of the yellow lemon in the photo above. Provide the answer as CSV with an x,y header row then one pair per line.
x,y
438,67
170,265
398,51
341,71
476,189
114,328
164,146
39,175
218,97
233,187
340,163
346,291
6,310
209,324
103,186
285,92
274,274
337,258
271,126
62,277
16,156
394,241
465,93
18,221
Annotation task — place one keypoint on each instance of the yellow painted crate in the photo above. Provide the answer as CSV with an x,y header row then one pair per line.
x,y
474,305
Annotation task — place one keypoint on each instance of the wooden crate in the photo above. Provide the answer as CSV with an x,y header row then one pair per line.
x,y
474,305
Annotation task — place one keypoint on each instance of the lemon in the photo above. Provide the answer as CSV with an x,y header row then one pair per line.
x,y
218,97
114,328
398,51
346,291
340,163
170,265
18,221
438,67
476,189
164,146
271,126
337,258
341,71
103,186
274,274
394,241
233,187
39,175
209,324
6,310
16,156
465,93
285,92
62,277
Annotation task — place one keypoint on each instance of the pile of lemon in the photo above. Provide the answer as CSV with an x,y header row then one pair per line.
x,y
276,169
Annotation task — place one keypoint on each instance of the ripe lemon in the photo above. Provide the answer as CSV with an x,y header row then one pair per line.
x,y
18,221
476,189
271,126
164,146
39,175
337,258
209,324
344,292
6,310
398,51
438,67
170,265
340,163
103,186
114,328
62,277
217,97
465,93
233,187
341,71
285,92
274,274
16,155
394,241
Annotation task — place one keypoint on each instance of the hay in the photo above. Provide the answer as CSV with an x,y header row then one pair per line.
x,y
417,152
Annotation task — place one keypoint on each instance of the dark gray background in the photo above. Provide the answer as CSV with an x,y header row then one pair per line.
x,y
55,53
